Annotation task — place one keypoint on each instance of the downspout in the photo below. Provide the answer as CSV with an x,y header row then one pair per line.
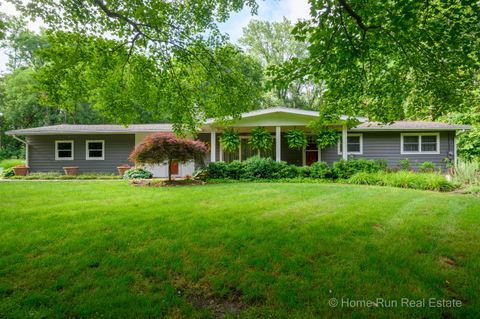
x,y
26,147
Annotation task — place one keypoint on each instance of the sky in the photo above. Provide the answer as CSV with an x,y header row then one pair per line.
x,y
270,10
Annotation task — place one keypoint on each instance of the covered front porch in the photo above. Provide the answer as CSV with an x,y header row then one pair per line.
x,y
278,122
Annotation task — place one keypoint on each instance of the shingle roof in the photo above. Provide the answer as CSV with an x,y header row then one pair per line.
x,y
86,129
410,126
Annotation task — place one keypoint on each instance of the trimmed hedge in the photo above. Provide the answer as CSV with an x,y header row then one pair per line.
x,y
266,168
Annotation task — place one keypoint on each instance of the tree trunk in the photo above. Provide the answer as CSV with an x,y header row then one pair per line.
x,y
169,170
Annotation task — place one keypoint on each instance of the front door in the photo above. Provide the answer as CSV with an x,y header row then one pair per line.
x,y
174,168
311,157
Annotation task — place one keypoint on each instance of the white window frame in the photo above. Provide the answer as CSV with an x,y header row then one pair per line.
x,y
350,153
87,155
64,158
437,135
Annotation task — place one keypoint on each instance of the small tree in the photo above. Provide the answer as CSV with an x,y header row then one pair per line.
x,y
157,148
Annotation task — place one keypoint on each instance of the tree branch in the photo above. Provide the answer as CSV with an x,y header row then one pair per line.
x,y
357,18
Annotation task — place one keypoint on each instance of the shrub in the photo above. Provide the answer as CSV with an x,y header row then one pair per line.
x,y
346,168
467,173
217,170
404,164
259,167
404,179
9,163
200,174
284,170
364,178
234,170
137,173
7,173
320,170
427,167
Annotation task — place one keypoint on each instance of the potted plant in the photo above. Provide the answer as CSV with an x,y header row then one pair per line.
x,y
71,170
21,170
122,169
230,140
297,139
260,140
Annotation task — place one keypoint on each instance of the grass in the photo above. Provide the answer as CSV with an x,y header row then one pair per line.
x,y
89,249
9,163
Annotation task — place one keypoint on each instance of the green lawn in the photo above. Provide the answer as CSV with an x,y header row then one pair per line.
x,y
107,249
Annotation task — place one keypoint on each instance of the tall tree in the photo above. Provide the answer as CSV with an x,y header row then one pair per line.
x,y
391,59
164,31
273,44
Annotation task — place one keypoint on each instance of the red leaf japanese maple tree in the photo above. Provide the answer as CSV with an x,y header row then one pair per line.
x,y
158,148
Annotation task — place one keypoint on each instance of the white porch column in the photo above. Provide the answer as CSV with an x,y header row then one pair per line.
x,y
213,145
344,142
278,143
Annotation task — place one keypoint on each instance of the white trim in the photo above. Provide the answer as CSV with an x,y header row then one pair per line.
x,y
64,158
436,134
213,146
278,143
87,153
340,152
288,111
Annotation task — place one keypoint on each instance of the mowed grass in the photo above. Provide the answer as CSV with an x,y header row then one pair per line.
x,y
107,249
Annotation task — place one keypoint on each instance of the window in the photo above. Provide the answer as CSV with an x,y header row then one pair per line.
x,y
416,143
245,151
354,144
95,150
63,150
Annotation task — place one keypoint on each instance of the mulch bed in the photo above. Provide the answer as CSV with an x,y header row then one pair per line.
x,y
165,183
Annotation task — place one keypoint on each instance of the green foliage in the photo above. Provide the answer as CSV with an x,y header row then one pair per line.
x,y
427,167
320,170
296,139
230,140
365,178
468,144
257,167
326,138
167,58
137,173
404,164
344,169
467,173
374,56
272,43
200,174
260,139
404,179
9,163
59,176
8,172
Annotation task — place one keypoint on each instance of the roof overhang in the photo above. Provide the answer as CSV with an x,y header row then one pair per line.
x,y
277,116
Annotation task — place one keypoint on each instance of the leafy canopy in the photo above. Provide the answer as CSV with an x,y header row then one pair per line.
x,y
390,60
173,46
273,44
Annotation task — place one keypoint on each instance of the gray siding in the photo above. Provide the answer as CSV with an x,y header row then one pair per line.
x,y
42,153
386,145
